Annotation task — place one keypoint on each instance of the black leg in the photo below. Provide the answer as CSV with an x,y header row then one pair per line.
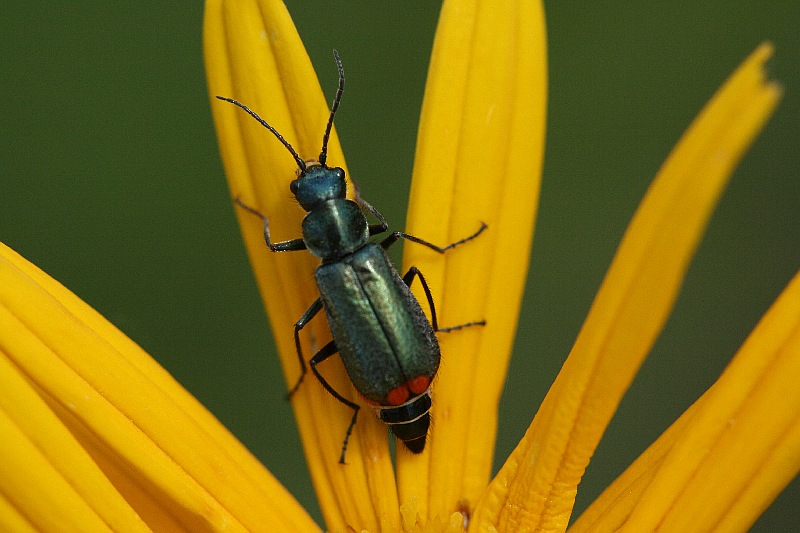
x,y
374,229
327,351
324,353
408,278
391,239
462,326
292,245
310,313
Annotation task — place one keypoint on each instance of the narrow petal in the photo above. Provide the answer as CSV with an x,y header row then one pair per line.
x,y
479,158
724,460
744,427
536,488
254,54
97,417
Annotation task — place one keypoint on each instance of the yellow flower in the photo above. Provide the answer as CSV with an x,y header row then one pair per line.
x,y
95,436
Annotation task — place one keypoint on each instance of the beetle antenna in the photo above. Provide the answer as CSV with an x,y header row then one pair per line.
x,y
323,156
300,162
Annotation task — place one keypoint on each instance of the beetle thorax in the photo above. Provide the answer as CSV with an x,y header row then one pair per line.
x,y
335,228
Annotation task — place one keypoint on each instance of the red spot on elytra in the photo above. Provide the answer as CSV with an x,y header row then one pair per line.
x,y
419,384
397,395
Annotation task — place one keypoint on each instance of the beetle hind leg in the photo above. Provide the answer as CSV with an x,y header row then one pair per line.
x,y
408,278
310,313
327,351
324,353
461,326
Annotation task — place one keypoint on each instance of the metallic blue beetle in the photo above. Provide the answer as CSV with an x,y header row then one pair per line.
x,y
388,347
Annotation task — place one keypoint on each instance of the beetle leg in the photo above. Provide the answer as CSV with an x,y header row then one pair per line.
x,y
324,353
408,278
292,245
300,324
461,326
391,239
374,229
327,351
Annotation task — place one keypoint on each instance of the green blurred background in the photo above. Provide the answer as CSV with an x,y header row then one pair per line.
x,y
112,183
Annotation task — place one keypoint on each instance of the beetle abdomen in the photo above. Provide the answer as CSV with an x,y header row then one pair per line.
x,y
410,422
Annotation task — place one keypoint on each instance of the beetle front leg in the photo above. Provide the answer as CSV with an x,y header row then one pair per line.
x,y
292,245
374,229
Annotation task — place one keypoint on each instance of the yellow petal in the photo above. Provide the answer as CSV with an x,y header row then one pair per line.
x,y
106,421
724,460
48,479
536,487
253,54
740,424
479,158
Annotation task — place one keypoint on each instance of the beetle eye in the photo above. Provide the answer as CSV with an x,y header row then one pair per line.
x,y
293,186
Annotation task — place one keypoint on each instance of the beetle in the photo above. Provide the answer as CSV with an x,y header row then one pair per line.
x,y
387,345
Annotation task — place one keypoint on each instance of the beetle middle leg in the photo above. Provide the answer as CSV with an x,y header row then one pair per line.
x,y
375,229
394,236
